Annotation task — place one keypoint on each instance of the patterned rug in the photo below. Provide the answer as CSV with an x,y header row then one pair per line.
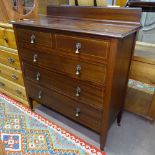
x,y
26,133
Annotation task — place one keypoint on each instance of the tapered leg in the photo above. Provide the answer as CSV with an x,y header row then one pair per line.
x,y
31,103
103,136
102,143
119,118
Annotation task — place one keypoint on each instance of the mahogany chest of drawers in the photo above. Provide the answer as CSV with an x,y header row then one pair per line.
x,y
76,61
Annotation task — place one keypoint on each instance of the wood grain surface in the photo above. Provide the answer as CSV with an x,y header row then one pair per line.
x,y
88,116
11,74
10,59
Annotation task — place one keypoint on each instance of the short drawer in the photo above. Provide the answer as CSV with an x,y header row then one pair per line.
x,y
11,74
10,59
13,88
2,36
82,46
10,39
78,90
7,38
81,113
72,67
34,38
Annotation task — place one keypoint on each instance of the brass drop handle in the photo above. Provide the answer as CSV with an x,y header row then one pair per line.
x,y
18,92
35,58
40,95
77,114
78,47
14,77
11,60
2,84
33,39
38,76
78,69
78,91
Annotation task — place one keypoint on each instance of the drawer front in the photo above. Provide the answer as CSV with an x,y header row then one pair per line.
x,y
78,90
11,74
7,38
13,88
72,67
34,38
24,102
10,39
82,46
10,59
143,72
2,36
79,112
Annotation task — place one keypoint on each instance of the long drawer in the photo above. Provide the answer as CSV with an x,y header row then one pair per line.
x,y
78,90
71,67
10,59
11,74
34,39
82,46
13,88
79,112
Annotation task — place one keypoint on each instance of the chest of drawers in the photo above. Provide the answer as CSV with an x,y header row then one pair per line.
x,y
11,80
77,64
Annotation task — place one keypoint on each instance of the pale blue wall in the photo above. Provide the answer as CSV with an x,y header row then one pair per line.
x,y
110,2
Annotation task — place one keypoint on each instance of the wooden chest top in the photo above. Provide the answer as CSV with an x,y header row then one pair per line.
x,y
106,22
